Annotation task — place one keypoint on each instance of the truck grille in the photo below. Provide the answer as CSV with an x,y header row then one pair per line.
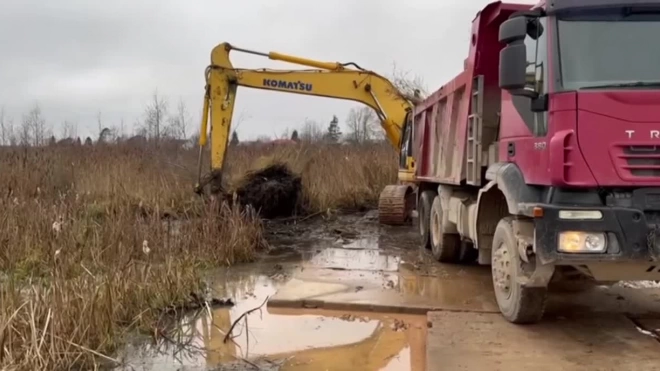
x,y
642,161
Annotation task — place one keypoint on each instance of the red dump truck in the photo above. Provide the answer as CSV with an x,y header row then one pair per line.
x,y
542,158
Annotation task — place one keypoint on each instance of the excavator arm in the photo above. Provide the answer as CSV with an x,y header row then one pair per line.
x,y
327,79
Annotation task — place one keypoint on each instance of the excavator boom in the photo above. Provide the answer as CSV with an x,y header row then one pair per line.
x,y
327,79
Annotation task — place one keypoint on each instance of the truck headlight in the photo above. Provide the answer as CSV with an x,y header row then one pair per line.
x,y
580,214
582,242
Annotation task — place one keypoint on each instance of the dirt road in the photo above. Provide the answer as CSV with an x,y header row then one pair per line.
x,y
347,294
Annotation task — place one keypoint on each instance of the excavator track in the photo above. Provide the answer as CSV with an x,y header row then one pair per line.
x,y
395,204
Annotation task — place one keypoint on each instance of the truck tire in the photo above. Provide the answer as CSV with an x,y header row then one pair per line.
x,y
445,247
518,304
424,217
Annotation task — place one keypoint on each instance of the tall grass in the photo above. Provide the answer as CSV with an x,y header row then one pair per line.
x,y
88,251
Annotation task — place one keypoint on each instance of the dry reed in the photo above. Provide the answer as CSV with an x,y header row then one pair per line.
x,y
86,255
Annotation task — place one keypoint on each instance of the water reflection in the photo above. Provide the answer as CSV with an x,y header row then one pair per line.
x,y
457,292
313,339
316,340
346,259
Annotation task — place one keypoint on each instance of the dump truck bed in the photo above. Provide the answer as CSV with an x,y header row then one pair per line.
x,y
456,125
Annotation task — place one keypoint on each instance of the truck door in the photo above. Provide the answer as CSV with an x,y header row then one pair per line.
x,y
527,145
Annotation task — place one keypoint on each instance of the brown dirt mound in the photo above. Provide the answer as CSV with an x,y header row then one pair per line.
x,y
273,191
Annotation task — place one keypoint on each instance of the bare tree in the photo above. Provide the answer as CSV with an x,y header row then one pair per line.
x,y
139,128
3,134
242,117
234,139
194,138
311,131
363,125
25,131
285,134
3,130
178,123
69,130
39,125
155,115
122,129
33,128
6,129
99,123
107,135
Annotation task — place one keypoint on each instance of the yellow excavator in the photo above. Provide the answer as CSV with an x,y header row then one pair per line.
x,y
327,79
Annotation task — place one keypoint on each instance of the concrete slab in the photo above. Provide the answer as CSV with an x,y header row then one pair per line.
x,y
484,341
402,292
638,303
407,291
300,289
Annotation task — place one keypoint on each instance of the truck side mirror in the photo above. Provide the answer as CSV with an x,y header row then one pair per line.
x,y
513,66
512,30
513,57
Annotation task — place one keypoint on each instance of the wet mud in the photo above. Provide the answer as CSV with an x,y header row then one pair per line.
x,y
340,292
273,191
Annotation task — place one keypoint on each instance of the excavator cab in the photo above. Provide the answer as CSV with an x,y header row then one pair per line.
x,y
406,160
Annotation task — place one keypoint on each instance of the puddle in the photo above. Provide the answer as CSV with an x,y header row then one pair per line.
x,y
457,291
365,243
380,271
373,267
352,259
297,339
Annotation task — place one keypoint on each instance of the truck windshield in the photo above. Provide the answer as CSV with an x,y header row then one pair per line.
x,y
614,48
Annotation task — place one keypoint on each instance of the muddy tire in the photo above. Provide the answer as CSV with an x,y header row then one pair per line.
x,y
518,304
424,217
445,247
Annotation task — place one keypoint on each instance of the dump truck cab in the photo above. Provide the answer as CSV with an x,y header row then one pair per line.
x,y
581,123
542,158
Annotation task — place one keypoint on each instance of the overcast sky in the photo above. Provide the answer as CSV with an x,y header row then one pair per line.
x,y
78,57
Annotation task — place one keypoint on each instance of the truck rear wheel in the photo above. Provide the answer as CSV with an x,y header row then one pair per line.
x,y
445,246
518,304
424,217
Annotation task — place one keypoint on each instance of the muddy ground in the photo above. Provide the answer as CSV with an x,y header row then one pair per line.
x,y
343,293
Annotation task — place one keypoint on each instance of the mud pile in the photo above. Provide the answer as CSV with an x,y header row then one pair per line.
x,y
273,191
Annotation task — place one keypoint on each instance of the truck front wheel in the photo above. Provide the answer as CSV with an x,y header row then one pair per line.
x,y
518,304
424,216
445,246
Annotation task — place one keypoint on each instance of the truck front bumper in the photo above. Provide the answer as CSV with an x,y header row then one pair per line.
x,y
629,236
